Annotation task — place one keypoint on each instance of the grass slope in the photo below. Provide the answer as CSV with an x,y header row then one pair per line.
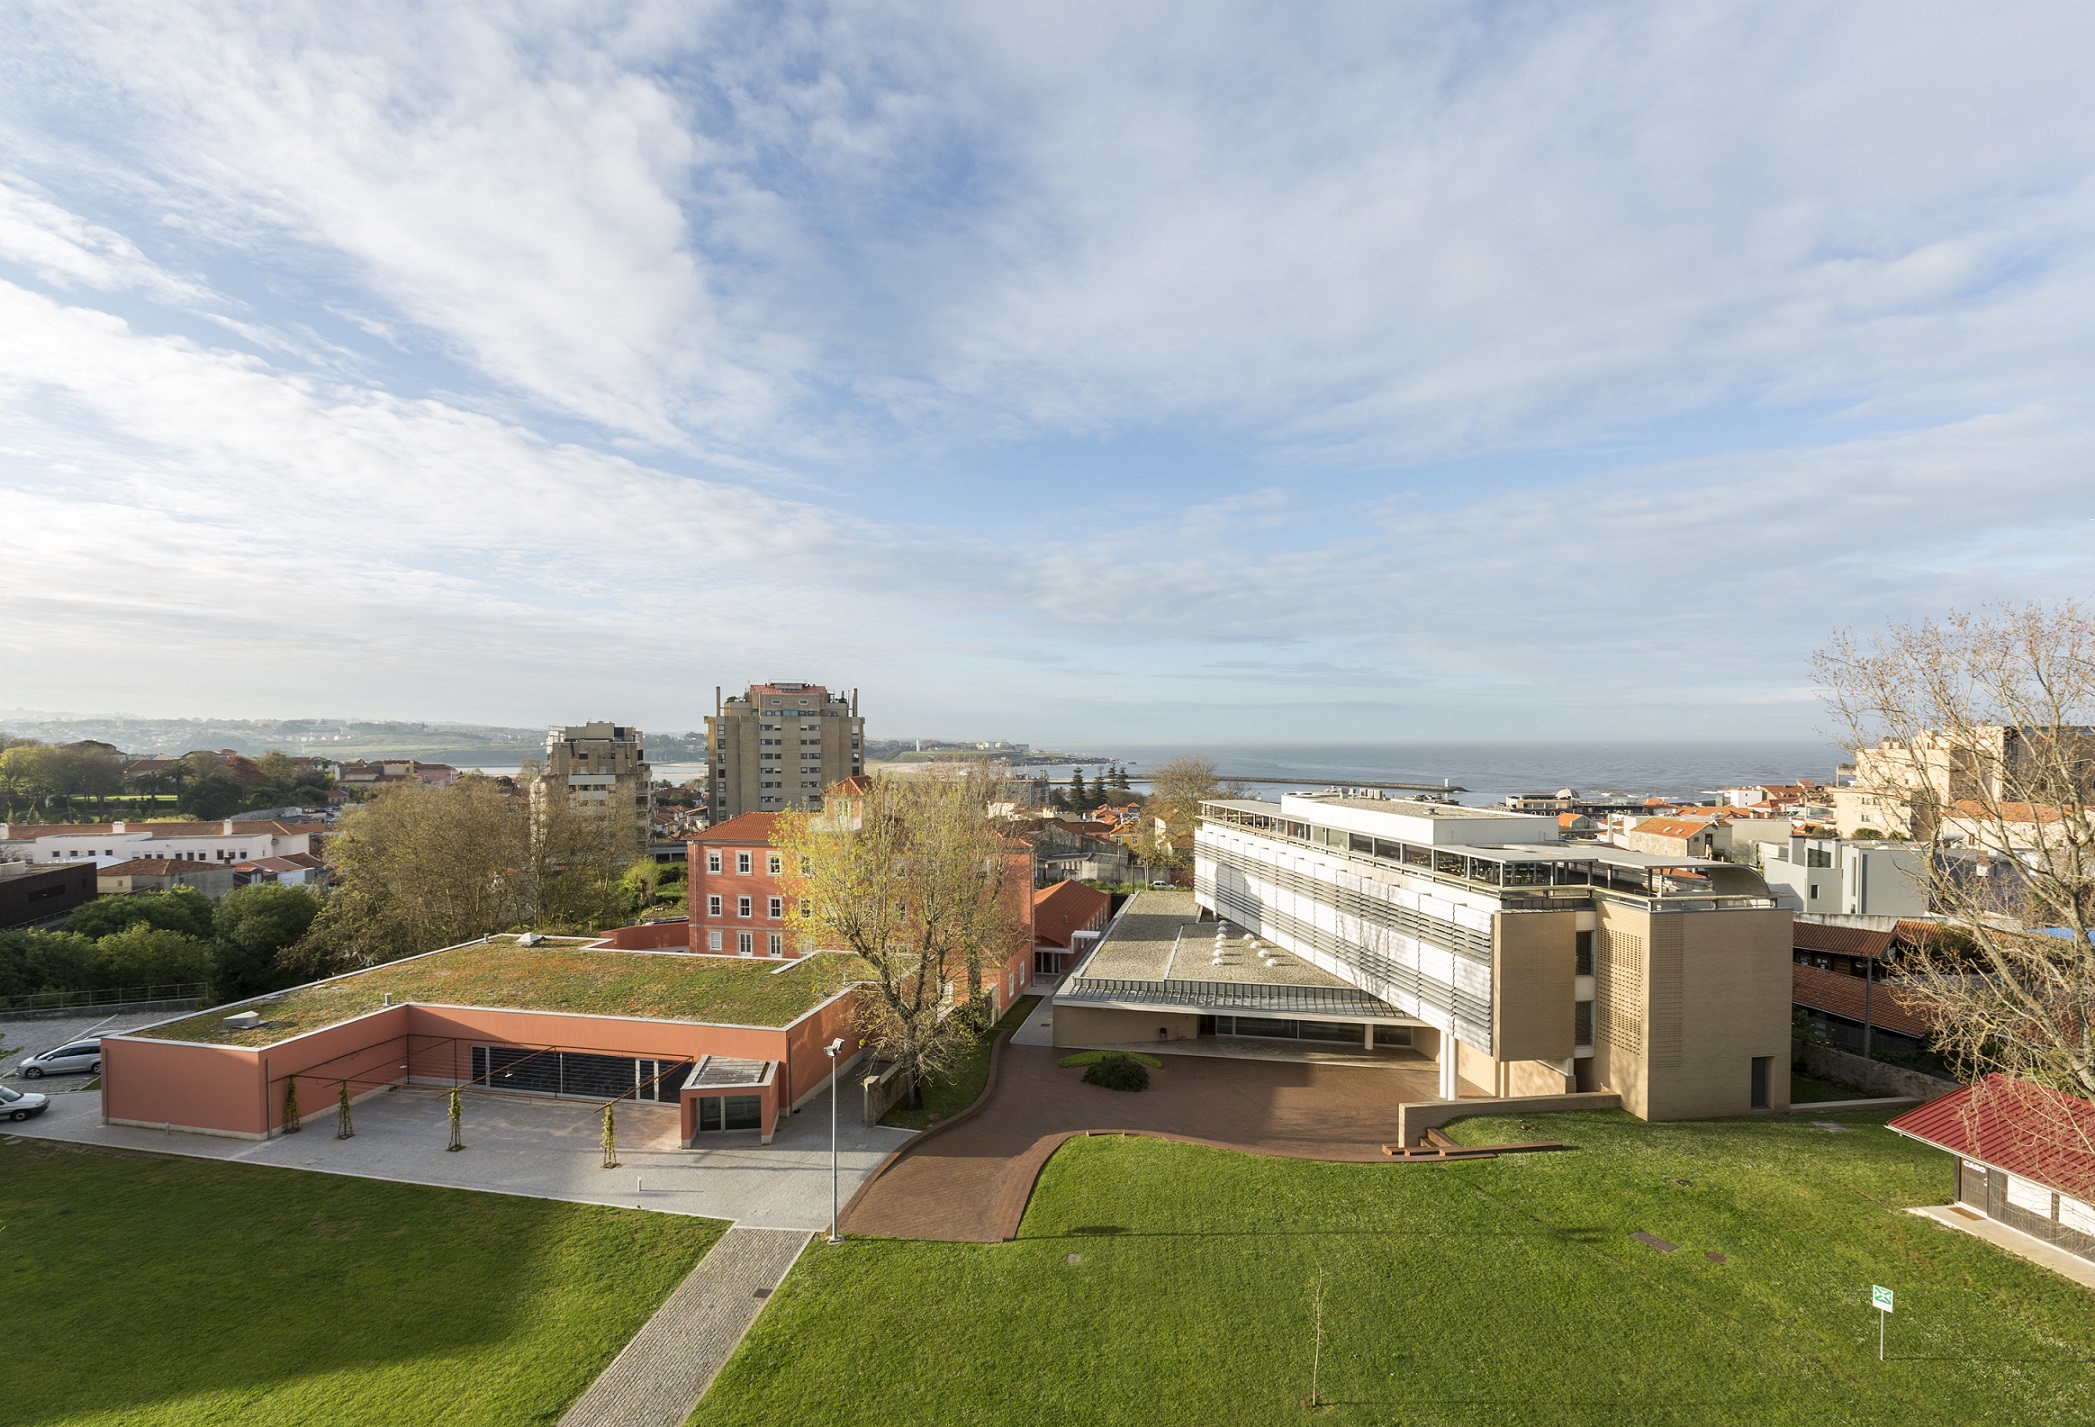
x,y
1501,1291
948,1095
148,1291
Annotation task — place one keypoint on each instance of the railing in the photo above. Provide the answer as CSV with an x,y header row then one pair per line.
x,y
109,996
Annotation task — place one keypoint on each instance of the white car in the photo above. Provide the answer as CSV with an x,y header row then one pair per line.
x,y
73,1057
21,1104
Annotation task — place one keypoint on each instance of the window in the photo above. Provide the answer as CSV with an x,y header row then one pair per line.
x,y
774,864
713,940
742,863
1584,944
1582,1023
742,906
713,905
746,943
712,862
1761,1064
776,908
778,944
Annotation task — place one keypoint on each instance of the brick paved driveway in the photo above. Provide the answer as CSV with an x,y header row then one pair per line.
x,y
970,1184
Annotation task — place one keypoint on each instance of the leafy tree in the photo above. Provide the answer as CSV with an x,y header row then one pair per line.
x,y
143,955
1079,795
1120,779
32,961
1057,798
184,910
256,925
217,794
921,883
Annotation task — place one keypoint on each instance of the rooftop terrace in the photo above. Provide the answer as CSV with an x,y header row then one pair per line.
x,y
563,974
1159,952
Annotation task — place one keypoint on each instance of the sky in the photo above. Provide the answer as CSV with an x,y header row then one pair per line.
x,y
1299,372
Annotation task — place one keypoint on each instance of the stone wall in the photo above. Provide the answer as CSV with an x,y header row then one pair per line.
x,y
885,1086
1875,1076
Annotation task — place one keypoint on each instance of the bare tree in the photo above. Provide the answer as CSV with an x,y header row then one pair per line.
x,y
1177,789
915,877
1982,727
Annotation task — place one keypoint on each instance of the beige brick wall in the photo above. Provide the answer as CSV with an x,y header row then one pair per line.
x,y
1534,959
1081,1026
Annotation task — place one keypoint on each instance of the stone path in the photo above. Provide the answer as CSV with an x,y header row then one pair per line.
x,y
666,1368
970,1183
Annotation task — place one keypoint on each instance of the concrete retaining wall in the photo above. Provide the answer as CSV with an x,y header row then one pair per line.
x,y
1414,1119
1874,1076
885,1086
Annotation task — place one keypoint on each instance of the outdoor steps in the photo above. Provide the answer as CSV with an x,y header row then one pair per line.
x,y
1438,1147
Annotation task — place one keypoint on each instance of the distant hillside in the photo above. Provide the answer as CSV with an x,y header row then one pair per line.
x,y
466,744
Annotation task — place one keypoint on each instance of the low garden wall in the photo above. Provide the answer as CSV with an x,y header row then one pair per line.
x,y
1843,1068
885,1085
1414,1119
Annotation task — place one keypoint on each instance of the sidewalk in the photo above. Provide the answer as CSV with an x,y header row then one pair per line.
x,y
2014,1241
662,1372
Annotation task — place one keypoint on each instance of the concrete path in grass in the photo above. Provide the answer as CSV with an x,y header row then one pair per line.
x,y
970,1183
673,1359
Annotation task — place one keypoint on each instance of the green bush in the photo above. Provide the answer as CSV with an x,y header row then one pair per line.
x,y
1116,1071
183,909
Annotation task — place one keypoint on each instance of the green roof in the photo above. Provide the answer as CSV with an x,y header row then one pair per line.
x,y
552,976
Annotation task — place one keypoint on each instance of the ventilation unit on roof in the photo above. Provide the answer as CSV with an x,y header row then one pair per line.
x,y
244,1021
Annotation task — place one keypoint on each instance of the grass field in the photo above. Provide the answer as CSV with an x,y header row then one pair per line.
x,y
1500,1291
161,1291
948,1095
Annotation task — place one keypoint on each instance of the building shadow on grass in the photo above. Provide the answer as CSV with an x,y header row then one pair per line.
x,y
157,1279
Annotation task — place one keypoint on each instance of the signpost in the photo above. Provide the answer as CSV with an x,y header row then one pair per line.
x,y
1880,1299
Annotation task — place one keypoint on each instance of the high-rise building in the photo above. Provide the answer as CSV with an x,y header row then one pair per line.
x,y
779,746
601,767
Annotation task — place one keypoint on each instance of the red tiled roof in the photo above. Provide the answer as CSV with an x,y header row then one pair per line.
x,y
2013,1125
743,827
1841,995
1065,908
1840,941
241,828
1672,827
158,867
2007,812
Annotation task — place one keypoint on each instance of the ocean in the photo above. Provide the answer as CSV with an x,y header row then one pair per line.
x,y
1485,772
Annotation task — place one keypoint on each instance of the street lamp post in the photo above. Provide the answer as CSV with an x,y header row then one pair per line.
x,y
831,1050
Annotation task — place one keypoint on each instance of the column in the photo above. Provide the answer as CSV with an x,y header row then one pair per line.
x,y
1450,1052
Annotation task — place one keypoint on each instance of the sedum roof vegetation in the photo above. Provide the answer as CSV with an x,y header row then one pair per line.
x,y
552,976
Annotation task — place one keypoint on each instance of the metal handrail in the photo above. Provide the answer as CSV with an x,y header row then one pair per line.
x,y
107,996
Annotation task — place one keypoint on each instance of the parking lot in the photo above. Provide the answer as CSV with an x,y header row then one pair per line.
x,y
27,1037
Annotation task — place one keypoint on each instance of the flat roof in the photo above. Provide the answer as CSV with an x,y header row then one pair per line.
x,y
1493,851
568,974
1159,936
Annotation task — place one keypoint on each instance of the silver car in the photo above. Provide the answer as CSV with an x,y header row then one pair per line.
x,y
21,1104
70,1058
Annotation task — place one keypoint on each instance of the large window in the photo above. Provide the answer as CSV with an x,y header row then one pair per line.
x,y
731,1112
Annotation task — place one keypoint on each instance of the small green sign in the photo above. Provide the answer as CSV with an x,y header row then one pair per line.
x,y
1880,1298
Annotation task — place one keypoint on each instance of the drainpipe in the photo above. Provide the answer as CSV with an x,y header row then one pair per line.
x,y
1869,980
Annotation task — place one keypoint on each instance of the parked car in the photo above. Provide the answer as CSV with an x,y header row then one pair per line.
x,y
21,1104
70,1058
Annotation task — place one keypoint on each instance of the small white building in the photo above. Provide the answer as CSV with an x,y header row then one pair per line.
x,y
1828,875
106,844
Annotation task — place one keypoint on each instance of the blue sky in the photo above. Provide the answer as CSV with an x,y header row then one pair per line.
x,y
1061,371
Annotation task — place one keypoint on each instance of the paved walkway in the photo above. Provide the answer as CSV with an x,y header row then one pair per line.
x,y
970,1183
2022,1245
545,1148
660,1375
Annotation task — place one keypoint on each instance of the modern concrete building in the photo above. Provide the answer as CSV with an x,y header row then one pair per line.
x,y
779,746
601,767
1521,964
30,893
1831,876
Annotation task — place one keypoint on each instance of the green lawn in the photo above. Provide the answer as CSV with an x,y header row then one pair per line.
x,y
1500,1291
142,1290
948,1095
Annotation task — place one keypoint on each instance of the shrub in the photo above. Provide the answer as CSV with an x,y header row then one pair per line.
x,y
184,910
1117,1072
1092,1057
